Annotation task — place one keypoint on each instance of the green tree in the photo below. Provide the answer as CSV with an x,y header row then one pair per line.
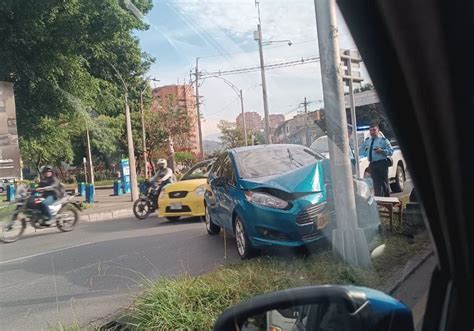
x,y
232,135
52,145
52,49
373,113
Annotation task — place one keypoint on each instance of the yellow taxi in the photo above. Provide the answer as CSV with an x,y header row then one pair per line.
x,y
186,196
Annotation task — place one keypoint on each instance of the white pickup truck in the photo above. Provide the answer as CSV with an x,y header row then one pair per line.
x,y
396,173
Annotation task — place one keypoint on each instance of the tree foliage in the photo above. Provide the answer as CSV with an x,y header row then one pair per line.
x,y
373,113
54,49
232,135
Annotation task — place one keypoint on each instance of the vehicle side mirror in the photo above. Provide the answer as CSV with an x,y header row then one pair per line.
x,y
318,308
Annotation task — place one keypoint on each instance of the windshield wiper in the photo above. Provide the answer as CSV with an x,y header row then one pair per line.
x,y
292,159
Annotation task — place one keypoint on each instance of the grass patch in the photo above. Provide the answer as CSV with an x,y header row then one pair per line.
x,y
187,302
6,211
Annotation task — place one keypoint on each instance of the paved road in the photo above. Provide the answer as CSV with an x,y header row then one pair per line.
x,y
49,277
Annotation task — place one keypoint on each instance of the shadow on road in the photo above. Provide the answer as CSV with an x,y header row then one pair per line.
x,y
188,220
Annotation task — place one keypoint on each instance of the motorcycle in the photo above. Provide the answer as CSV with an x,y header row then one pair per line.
x,y
147,203
65,211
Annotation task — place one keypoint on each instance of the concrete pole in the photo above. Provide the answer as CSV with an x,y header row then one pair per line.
x,y
353,116
89,156
308,140
201,146
264,86
348,240
131,152
243,116
145,158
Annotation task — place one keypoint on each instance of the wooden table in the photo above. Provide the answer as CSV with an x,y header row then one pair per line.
x,y
389,207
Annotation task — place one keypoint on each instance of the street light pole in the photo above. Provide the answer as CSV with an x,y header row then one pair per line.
x,y
131,152
145,157
243,115
89,156
131,149
201,146
264,81
348,239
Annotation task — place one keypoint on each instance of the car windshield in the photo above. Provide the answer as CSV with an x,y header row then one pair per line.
x,y
278,161
200,170
128,101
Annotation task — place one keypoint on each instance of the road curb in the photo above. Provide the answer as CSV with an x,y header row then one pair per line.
x,y
107,215
402,275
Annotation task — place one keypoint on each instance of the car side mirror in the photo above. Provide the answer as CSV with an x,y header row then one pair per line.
x,y
318,308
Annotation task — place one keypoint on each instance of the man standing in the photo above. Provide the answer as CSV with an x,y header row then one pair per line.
x,y
377,149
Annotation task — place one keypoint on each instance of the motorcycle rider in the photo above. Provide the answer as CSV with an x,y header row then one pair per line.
x,y
162,177
52,191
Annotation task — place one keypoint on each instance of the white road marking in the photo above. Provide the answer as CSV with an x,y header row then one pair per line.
x,y
44,253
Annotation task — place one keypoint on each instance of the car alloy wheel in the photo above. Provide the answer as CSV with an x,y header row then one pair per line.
x,y
244,246
401,179
240,237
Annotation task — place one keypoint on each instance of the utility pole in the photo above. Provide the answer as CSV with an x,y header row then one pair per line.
x,y
131,149
348,239
89,156
201,146
145,157
349,78
308,140
259,38
131,152
243,116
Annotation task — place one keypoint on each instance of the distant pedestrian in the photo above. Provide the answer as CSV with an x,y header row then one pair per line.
x,y
377,149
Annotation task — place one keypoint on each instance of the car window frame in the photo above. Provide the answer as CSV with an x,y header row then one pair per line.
x,y
232,179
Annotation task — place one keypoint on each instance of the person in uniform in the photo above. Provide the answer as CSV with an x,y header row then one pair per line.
x,y
378,149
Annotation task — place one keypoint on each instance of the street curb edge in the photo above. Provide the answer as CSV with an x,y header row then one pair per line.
x,y
416,263
106,216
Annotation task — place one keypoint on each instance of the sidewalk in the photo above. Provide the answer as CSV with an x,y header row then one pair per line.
x,y
107,206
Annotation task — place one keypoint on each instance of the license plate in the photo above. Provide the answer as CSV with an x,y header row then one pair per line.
x,y
176,206
321,221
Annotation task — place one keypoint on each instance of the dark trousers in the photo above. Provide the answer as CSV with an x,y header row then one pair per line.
x,y
379,172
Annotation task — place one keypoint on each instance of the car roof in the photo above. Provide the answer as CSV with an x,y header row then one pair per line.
x,y
239,150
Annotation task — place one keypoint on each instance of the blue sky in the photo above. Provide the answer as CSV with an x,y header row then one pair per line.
x,y
221,34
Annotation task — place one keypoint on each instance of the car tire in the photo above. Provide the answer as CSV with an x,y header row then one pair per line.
x,y
211,227
173,218
399,183
244,246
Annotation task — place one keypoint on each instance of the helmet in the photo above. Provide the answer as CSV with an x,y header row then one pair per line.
x,y
162,163
46,168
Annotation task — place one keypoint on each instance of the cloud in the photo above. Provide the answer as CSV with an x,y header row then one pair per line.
x,y
221,33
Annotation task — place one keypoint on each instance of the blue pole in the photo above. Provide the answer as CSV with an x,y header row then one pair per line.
x,y
10,192
90,192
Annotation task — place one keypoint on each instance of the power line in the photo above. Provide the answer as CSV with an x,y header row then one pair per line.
x,y
225,107
277,65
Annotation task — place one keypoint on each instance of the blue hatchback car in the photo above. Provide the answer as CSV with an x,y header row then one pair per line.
x,y
271,195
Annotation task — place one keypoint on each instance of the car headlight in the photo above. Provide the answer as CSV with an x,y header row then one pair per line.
x,y
266,200
200,190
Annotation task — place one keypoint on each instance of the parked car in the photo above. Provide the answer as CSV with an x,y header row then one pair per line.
x,y
276,195
185,197
396,173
